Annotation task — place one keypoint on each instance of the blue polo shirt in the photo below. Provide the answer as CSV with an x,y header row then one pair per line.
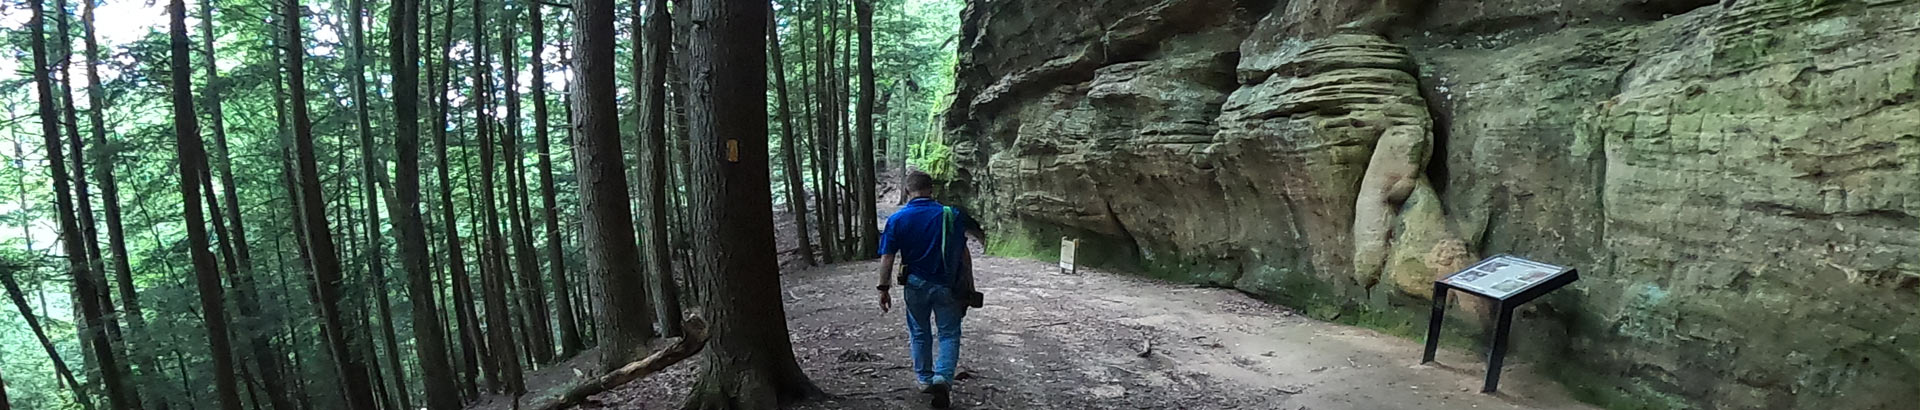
x,y
914,233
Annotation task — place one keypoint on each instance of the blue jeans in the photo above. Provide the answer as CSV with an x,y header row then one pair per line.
x,y
932,302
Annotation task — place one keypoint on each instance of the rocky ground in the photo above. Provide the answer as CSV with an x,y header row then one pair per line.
x,y
1101,341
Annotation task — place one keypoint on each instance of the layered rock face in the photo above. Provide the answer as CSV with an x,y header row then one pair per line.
x,y
1738,182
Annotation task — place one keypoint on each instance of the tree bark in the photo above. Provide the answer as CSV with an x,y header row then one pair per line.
x,y
471,341
828,136
494,273
245,290
371,168
192,156
533,300
429,339
33,323
750,362
863,116
796,190
86,285
83,200
326,261
810,90
570,343
612,255
654,174
110,195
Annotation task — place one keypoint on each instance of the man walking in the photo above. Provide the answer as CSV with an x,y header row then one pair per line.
x,y
930,240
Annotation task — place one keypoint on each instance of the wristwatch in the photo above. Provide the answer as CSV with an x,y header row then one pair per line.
x,y
883,288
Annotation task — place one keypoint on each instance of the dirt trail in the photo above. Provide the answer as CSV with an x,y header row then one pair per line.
x,y
1052,341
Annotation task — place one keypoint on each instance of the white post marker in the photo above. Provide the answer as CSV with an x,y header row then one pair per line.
x,y
1067,248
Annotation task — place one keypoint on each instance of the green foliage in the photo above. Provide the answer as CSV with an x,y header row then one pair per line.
x,y
934,157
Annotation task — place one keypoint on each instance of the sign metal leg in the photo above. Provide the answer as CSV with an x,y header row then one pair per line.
x,y
1497,353
1433,322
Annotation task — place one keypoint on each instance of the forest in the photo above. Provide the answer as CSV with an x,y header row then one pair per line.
x,y
405,204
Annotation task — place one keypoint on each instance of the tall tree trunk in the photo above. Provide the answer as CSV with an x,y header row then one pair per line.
x,y
33,323
612,255
828,135
326,260
570,343
245,291
495,274
84,200
429,339
539,329
192,157
796,190
677,80
471,341
811,89
116,230
86,285
749,361
849,168
863,143
653,175
371,167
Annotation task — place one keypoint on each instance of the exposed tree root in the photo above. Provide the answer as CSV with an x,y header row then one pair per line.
x,y
695,339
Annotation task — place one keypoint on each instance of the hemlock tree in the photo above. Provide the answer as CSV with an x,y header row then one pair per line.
x,y
863,178
607,228
430,342
192,154
749,363
653,169
325,259
796,190
570,342
96,342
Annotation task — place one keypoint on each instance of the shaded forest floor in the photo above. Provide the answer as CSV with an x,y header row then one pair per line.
x,y
1052,341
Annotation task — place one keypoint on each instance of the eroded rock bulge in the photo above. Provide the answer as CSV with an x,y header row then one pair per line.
x,y
1739,182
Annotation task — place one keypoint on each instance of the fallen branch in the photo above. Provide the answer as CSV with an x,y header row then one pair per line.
x,y
695,339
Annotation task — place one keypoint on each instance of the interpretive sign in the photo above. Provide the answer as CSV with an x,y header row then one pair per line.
x,y
1506,280
1067,248
1502,276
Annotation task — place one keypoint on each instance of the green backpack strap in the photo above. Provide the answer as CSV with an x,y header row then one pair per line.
x,y
946,223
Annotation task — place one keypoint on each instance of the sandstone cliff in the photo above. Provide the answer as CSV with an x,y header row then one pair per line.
x,y
1739,182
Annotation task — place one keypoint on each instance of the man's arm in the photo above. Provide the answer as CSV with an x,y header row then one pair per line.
x,y
886,280
886,270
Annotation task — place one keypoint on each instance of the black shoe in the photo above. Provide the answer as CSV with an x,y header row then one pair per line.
x,y
942,395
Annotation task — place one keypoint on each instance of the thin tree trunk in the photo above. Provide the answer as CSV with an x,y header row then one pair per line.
x,y
116,230
677,80
429,339
326,261
570,343
83,198
863,143
370,193
849,169
828,136
192,157
750,362
612,255
495,273
796,190
653,175
245,292
33,323
118,394
810,82
471,341
539,329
